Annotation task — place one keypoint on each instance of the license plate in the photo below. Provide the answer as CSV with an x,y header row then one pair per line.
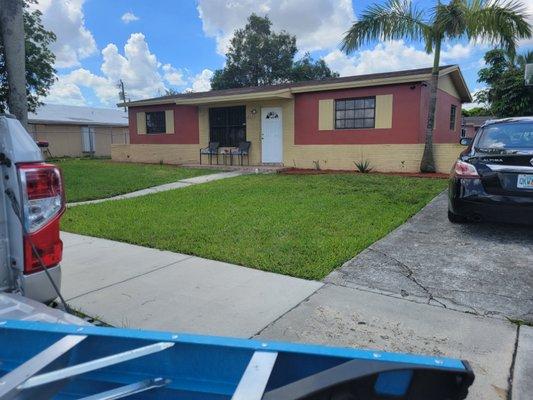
x,y
524,182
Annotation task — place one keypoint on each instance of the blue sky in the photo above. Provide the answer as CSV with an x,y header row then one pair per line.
x,y
158,44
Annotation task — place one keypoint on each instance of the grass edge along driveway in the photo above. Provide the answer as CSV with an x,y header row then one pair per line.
x,y
304,226
90,179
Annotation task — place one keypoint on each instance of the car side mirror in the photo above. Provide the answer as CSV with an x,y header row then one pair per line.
x,y
465,141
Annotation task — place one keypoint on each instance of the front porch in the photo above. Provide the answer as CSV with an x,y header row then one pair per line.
x,y
247,168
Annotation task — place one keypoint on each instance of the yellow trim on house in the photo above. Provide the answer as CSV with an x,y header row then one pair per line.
x,y
446,84
169,121
383,117
326,115
141,123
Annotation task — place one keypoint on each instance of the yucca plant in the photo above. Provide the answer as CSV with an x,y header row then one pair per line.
x,y
501,22
363,166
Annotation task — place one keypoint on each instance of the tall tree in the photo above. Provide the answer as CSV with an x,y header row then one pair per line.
x,y
501,22
258,56
12,28
506,93
37,61
307,69
476,112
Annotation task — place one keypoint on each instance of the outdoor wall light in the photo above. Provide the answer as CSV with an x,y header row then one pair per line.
x,y
253,111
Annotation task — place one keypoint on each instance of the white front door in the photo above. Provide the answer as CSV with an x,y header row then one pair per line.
x,y
272,134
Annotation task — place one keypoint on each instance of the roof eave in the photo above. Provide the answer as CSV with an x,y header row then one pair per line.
x,y
82,123
274,94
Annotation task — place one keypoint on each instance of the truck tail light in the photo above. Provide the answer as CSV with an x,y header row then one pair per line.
x,y
43,203
463,169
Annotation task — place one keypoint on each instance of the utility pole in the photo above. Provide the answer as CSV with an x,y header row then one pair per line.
x,y
12,31
122,93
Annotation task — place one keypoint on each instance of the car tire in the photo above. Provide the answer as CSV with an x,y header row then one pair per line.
x,y
456,219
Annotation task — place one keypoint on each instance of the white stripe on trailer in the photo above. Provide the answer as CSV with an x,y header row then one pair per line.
x,y
94,365
10,383
255,378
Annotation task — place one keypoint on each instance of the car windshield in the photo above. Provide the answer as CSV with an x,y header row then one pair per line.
x,y
504,137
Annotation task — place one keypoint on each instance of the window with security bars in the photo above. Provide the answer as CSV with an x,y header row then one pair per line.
x,y
155,122
227,125
358,113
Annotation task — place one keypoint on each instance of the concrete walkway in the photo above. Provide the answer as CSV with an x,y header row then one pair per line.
x,y
132,286
168,186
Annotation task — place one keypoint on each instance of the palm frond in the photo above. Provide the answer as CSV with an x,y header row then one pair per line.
x,y
500,22
396,19
450,19
526,58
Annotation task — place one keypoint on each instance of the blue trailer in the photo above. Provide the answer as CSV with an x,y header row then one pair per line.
x,y
42,360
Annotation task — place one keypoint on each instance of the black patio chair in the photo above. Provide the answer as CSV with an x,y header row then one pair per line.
x,y
211,150
242,151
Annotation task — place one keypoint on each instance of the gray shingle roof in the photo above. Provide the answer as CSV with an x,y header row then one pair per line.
x,y
267,88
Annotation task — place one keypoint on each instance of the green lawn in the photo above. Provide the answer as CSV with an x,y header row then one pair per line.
x,y
88,179
297,225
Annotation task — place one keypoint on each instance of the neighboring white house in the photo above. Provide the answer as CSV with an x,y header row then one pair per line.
x,y
75,131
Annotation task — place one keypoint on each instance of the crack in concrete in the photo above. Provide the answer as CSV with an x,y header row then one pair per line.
x,y
511,369
410,275
130,278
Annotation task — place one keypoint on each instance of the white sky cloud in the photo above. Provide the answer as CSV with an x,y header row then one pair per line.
x,y
65,92
318,24
173,75
384,57
74,41
143,75
129,17
201,82
469,106
392,56
138,67
456,52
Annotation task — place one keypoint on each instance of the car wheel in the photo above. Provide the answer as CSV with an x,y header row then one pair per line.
x,y
456,219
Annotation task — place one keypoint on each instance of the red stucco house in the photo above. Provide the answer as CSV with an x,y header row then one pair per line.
x,y
336,122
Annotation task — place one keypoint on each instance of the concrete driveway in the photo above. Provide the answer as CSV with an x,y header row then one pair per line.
x,y
484,269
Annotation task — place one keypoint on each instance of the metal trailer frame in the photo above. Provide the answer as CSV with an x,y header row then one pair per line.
x,y
380,374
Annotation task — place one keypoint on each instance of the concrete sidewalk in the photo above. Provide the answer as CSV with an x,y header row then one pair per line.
x,y
167,186
132,286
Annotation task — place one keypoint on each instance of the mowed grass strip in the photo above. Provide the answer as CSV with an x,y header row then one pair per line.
x,y
89,179
303,226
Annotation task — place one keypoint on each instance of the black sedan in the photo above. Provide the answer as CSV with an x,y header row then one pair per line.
x,y
493,178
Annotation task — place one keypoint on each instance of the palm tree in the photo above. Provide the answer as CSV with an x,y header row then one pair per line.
x,y
523,59
501,22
